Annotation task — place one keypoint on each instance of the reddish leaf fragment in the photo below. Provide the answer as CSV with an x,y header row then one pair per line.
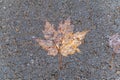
x,y
114,42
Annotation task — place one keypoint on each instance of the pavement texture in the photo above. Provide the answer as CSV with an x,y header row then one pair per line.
x,y
21,58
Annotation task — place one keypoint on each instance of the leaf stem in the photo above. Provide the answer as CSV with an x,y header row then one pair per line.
x,y
59,56
60,61
60,66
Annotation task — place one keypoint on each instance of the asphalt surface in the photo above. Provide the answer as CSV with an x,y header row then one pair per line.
x,y
21,58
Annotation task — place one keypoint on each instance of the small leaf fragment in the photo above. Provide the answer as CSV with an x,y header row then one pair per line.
x,y
114,42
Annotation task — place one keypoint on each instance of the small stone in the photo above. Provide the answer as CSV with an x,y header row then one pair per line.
x,y
28,64
118,72
10,5
32,61
102,43
17,30
4,7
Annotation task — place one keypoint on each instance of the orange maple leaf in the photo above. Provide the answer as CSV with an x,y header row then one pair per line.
x,y
63,40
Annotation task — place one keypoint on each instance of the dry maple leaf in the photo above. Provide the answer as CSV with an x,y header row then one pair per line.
x,y
62,41
114,42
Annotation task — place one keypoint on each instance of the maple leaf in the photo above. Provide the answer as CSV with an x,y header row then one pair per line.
x,y
63,40
114,42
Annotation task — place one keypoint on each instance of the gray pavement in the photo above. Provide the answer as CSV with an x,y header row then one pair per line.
x,y
21,58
